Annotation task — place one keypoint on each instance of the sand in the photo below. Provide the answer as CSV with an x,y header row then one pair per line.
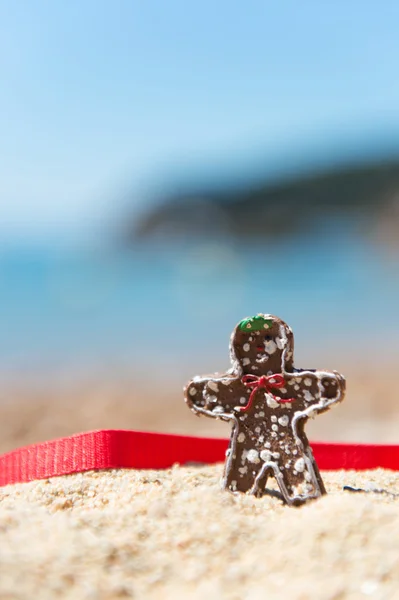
x,y
174,534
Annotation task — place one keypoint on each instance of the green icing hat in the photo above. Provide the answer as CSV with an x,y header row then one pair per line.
x,y
257,323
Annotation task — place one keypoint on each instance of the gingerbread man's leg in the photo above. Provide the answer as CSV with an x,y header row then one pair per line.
x,y
297,485
243,464
301,482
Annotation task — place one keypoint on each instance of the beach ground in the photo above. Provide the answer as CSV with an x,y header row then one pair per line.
x,y
174,534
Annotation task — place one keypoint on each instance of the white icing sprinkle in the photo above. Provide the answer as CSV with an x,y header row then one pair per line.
x,y
267,444
271,402
241,437
270,346
243,400
280,343
261,414
245,361
274,419
307,396
275,427
265,455
253,456
243,470
276,454
299,465
284,420
257,429
273,434
307,381
246,347
192,391
213,386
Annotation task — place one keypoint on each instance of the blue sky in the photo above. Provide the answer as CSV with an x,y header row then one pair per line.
x,y
100,98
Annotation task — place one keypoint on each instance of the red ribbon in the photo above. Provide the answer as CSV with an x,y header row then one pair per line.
x,y
119,449
265,382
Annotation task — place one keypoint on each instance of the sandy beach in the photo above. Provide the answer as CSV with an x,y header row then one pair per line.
x,y
175,534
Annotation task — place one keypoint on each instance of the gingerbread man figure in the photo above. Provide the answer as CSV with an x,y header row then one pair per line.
x,y
268,402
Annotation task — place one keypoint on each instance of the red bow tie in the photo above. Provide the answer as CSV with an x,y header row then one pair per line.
x,y
267,383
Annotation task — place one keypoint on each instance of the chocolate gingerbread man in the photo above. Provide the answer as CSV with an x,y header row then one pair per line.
x,y
268,402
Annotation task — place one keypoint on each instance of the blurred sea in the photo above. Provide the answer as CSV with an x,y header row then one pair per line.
x,y
155,306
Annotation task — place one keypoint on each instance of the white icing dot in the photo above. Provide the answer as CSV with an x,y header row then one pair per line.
x,y
267,444
280,343
273,434
299,465
295,452
243,470
284,420
296,387
307,396
283,390
307,381
261,414
288,464
241,437
271,402
213,386
246,347
276,454
253,456
192,391
243,400
234,485
275,427
274,419
265,455
270,347
257,429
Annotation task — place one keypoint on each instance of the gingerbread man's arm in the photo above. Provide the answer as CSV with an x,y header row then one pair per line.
x,y
214,396
316,391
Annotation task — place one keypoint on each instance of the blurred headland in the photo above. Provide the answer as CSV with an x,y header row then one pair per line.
x,y
350,179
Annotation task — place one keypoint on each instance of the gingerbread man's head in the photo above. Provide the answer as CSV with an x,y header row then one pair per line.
x,y
262,345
